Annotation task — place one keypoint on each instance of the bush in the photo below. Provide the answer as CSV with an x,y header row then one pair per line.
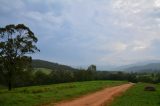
x,y
150,88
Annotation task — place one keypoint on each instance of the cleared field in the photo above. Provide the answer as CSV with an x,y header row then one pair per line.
x,y
37,95
136,96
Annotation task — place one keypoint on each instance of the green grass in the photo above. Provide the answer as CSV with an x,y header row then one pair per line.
x,y
2,87
36,95
136,96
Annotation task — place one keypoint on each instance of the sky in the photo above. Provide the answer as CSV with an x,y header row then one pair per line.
x,y
84,32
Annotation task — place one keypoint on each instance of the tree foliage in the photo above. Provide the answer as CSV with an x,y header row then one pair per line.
x,y
16,43
92,67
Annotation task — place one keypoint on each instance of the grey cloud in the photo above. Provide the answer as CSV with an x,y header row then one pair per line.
x,y
103,32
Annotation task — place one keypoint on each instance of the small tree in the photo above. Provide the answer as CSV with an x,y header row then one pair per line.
x,y
91,72
92,68
16,43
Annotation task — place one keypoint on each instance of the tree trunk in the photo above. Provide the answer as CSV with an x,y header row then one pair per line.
x,y
9,85
10,81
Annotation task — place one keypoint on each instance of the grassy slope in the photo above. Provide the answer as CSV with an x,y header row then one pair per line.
x,y
28,96
44,70
136,96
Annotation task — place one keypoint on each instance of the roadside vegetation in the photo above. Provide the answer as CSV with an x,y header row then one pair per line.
x,y
137,96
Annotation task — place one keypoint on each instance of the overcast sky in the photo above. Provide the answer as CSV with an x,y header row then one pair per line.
x,y
83,32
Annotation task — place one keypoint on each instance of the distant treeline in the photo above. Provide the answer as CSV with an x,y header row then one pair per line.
x,y
29,78
61,75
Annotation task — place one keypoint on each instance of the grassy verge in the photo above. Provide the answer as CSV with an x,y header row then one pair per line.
x,y
36,95
136,96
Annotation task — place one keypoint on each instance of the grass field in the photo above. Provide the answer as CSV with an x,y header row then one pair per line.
x,y
136,96
36,95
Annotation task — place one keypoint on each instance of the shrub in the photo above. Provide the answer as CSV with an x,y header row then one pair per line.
x,y
150,88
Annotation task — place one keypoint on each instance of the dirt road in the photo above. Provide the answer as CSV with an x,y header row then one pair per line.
x,y
98,98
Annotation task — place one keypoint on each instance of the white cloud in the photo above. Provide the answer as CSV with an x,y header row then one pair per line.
x,y
157,3
117,47
140,45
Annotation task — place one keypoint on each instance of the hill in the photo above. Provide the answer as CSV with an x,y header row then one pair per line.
x,y
145,66
50,65
44,70
152,67
139,67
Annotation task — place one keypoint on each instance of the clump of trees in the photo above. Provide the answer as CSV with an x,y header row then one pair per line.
x,y
149,77
16,42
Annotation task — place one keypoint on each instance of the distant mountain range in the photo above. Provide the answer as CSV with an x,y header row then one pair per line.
x,y
145,66
151,67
